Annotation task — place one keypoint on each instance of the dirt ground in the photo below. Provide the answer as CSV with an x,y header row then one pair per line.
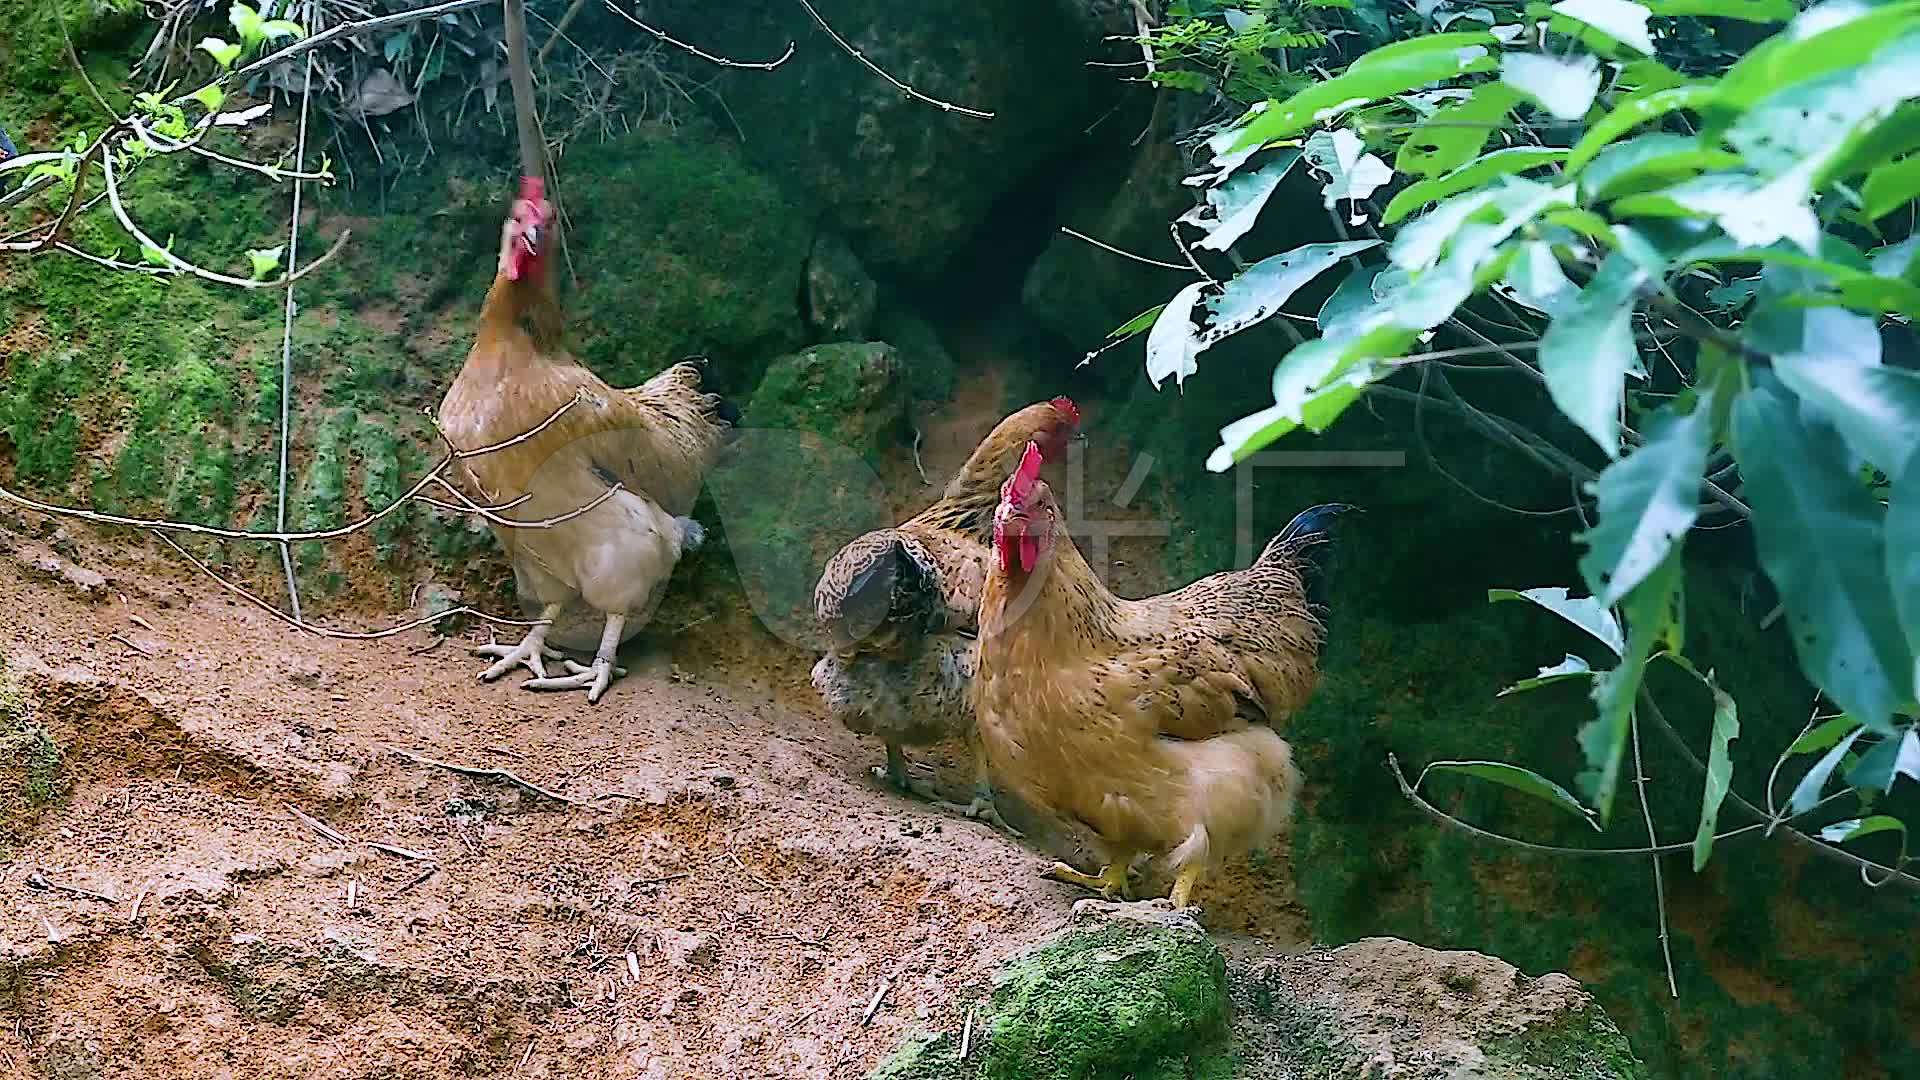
x,y
264,867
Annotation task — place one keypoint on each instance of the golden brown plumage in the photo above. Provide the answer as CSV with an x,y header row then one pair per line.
x,y
1149,722
598,575
898,606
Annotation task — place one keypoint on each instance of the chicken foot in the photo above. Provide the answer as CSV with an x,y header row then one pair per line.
x,y
980,808
532,652
594,678
1111,882
1183,883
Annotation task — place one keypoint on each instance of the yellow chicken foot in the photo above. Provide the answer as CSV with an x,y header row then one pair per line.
x,y
1111,882
1183,883
593,678
532,652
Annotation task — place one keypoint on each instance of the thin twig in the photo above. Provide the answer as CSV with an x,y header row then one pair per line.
x,y
487,774
1653,840
966,1034
879,995
345,29
918,467
39,880
400,852
944,106
711,58
286,343
320,827
1104,246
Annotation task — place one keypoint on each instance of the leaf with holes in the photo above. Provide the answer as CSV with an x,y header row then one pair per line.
x,y
1648,501
1352,173
1587,351
1824,545
1564,86
1232,207
1726,728
1262,289
1571,668
1519,779
1170,344
1879,764
1454,135
1621,20
1582,611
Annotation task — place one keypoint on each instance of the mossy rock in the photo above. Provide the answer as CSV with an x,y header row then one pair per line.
x,y
1128,990
33,772
928,365
851,393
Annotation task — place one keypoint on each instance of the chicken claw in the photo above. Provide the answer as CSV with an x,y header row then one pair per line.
x,y
532,652
1111,882
981,809
594,678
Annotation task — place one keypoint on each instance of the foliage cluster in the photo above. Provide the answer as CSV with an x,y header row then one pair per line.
x,y
1701,256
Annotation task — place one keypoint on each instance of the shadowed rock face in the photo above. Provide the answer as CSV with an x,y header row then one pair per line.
x,y
1138,990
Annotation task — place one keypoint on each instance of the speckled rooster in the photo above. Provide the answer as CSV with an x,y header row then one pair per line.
x,y
898,606
1149,722
650,446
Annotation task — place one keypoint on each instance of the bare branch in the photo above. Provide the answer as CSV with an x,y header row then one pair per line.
x,y
1104,246
711,58
944,106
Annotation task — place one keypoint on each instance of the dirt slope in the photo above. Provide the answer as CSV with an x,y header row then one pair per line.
x,y
722,894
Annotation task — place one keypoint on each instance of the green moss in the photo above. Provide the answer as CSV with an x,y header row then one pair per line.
x,y
1120,1000
924,358
32,767
851,393
1580,1046
927,1057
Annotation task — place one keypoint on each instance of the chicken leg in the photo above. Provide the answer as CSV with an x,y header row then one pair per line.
x,y
532,652
1183,883
594,678
1111,882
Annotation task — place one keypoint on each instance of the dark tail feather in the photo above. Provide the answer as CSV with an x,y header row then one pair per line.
x,y
723,407
1307,541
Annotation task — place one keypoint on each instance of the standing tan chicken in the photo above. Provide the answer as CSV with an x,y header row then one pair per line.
x,y
651,446
899,606
1148,722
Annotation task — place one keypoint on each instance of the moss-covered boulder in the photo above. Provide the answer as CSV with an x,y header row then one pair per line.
x,y
1128,990
1387,1009
850,392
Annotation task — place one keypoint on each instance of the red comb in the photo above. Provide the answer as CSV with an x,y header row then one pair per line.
x,y
1019,486
1065,407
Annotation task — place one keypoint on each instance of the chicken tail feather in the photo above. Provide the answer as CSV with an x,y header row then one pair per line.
x,y
1307,542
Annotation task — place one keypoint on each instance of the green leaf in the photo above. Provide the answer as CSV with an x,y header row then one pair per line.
x,y
1349,302
1843,832
1372,77
210,97
1761,11
1821,41
1621,20
1171,347
1890,187
1139,324
1652,612
1537,280
1833,363
247,23
1807,792
222,53
1261,290
1234,205
1453,135
1488,167
1564,86
1879,764
1822,542
1571,668
1825,735
1315,409
1586,354
1519,779
1726,728
1908,763
274,29
154,256
1649,161
1635,110
1648,501
1903,558
1582,611
265,261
